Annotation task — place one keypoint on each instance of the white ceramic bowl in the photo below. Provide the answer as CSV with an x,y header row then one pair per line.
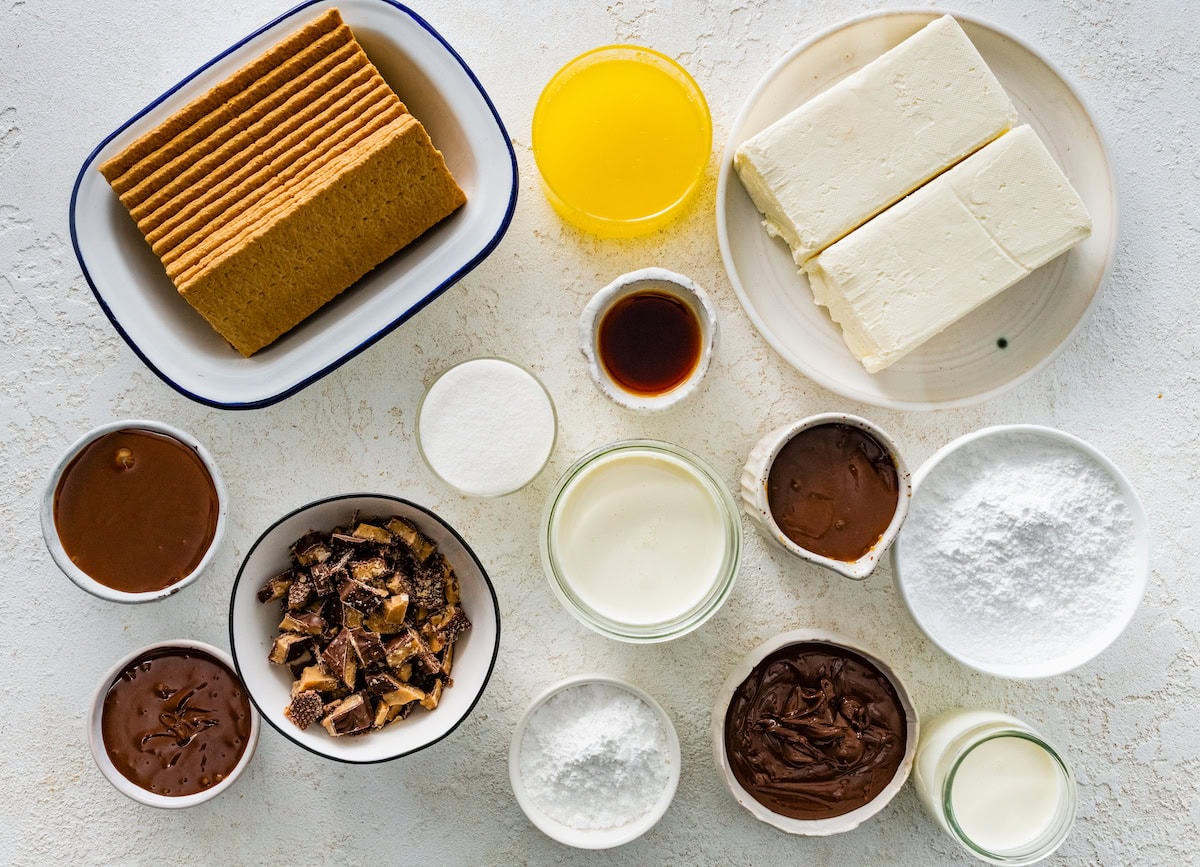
x,y
253,626
811,827
1120,612
128,787
676,285
965,364
179,346
54,543
600,838
758,509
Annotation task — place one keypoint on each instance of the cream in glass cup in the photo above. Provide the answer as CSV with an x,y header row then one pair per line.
x,y
995,786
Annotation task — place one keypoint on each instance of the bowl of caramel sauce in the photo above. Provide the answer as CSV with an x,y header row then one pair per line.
x,y
134,511
832,489
171,725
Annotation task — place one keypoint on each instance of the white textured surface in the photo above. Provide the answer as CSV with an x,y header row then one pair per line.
x,y
72,71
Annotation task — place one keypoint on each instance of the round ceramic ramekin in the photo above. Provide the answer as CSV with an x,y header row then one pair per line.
x,y
604,838
648,280
131,789
54,543
757,508
811,827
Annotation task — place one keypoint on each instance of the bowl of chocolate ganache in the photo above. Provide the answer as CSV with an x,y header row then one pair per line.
x,y
832,489
171,725
134,511
813,733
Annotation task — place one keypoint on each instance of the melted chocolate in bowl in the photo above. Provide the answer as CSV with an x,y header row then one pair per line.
x,y
176,721
136,510
815,731
833,490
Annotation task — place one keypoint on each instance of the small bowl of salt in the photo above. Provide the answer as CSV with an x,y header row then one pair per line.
x,y
486,427
594,762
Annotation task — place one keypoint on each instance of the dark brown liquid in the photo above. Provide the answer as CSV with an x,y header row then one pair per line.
x,y
136,510
176,722
649,342
833,490
815,731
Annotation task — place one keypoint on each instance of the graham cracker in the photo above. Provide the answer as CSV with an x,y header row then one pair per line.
x,y
382,201
323,145
295,138
215,100
201,165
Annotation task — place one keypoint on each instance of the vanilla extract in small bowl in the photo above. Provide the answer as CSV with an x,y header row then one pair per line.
x,y
648,337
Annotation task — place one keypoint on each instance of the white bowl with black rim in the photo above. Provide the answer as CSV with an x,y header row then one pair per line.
x,y
253,626
175,342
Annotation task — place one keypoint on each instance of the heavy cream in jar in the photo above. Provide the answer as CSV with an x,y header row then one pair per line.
x,y
641,535
995,786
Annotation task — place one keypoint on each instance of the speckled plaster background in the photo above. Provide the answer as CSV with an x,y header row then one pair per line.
x,y
72,71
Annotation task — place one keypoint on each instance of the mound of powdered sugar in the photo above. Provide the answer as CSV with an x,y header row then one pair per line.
x,y
1018,549
595,756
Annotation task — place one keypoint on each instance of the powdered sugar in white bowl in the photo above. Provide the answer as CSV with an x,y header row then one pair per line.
x,y
1025,552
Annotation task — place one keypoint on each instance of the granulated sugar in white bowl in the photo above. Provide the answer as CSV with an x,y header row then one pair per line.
x,y
486,427
1025,552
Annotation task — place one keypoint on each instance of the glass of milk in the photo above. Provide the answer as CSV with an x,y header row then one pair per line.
x,y
641,541
995,786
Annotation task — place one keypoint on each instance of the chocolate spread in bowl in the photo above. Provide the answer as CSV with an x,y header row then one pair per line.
x,y
815,731
176,721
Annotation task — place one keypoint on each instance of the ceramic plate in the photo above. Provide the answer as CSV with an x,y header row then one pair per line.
x,y
998,345
178,344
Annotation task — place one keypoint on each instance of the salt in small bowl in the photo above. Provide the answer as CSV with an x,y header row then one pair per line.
x,y
756,506
604,838
648,280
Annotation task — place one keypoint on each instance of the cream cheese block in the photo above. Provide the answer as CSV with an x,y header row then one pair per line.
x,y
958,241
873,138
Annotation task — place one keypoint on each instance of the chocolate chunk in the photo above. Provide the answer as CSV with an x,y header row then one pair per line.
x,y
379,682
368,647
427,586
340,660
306,708
418,544
324,576
431,699
303,621
449,624
299,595
288,647
348,540
369,570
353,715
373,533
311,548
361,596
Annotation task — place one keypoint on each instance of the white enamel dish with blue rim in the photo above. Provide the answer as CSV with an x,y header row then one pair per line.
x,y
177,343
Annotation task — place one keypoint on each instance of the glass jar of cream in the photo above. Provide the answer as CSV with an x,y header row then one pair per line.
x,y
995,786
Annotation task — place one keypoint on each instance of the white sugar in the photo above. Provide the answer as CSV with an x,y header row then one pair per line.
x,y
1017,549
486,427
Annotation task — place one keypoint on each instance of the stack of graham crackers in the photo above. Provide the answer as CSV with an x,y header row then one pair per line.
x,y
280,187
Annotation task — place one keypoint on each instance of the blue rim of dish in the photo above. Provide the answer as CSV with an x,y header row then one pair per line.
x,y
382,332
233,652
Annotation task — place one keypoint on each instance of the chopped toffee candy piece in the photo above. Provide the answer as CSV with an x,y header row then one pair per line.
x,y
299,595
403,695
418,543
431,699
315,677
352,715
359,595
368,570
276,588
287,647
368,647
375,534
303,621
306,708
370,615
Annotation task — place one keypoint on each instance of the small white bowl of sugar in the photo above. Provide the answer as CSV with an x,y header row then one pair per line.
x,y
486,427
594,762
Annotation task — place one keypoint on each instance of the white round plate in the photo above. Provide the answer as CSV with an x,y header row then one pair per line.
x,y
966,363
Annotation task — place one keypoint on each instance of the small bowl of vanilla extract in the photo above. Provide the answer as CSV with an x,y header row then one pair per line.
x,y
648,338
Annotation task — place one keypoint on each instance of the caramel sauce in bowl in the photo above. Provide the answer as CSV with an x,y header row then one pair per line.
x,y
200,742
832,489
134,511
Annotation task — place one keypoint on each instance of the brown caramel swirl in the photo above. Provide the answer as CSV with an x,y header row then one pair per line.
x,y
815,731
